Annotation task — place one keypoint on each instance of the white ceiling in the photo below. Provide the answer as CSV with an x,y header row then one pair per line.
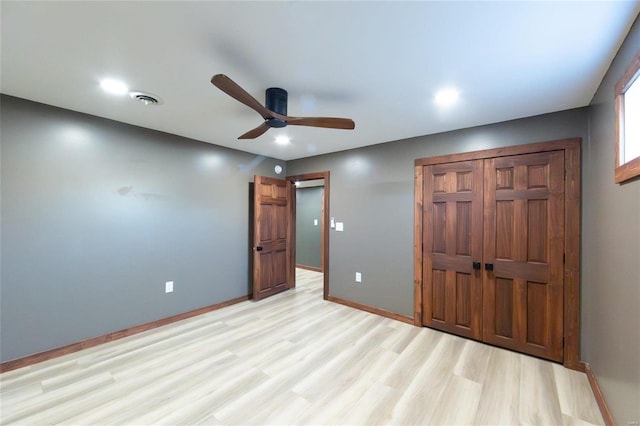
x,y
379,63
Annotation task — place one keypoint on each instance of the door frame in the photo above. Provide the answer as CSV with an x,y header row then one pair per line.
x,y
324,240
571,302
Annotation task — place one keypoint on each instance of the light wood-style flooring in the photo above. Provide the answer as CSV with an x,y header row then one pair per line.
x,y
295,359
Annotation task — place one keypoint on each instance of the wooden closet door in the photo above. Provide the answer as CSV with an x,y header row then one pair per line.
x,y
524,242
452,236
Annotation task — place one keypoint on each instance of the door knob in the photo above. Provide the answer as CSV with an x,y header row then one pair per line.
x,y
488,266
258,248
476,265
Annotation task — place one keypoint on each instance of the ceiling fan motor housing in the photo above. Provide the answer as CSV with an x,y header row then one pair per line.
x,y
276,100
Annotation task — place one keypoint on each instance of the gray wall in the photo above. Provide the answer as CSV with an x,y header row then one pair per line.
x,y
372,193
308,235
611,255
97,215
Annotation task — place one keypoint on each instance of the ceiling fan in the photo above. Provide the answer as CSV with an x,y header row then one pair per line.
x,y
275,110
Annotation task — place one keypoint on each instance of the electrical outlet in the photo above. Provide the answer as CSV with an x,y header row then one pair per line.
x,y
168,287
358,277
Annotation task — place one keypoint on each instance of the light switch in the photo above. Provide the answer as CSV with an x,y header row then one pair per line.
x,y
339,226
168,287
315,222
358,277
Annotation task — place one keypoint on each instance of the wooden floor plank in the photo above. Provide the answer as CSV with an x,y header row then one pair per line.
x,y
537,406
576,399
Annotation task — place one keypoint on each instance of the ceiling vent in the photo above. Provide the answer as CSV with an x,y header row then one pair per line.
x,y
146,98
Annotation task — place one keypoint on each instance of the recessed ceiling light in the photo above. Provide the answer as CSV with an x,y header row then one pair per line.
x,y
115,87
447,97
282,140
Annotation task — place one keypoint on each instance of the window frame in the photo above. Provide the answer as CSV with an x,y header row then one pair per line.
x,y
630,169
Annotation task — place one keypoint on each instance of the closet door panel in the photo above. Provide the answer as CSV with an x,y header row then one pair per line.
x,y
523,248
452,237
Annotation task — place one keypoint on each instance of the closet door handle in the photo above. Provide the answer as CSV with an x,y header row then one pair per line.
x,y
258,248
476,265
488,266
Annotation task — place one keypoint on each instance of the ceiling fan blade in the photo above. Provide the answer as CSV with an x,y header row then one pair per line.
x,y
232,89
327,122
254,133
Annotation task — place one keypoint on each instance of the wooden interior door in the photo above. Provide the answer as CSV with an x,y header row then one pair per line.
x,y
523,253
272,237
452,296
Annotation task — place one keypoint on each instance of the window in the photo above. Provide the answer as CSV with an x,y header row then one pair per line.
x,y
628,123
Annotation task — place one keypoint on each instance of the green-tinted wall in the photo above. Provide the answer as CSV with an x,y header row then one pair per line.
x,y
309,226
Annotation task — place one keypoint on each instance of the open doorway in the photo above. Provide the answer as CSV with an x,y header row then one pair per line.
x,y
309,206
312,230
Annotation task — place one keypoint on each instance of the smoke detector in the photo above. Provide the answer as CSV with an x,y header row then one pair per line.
x,y
146,98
